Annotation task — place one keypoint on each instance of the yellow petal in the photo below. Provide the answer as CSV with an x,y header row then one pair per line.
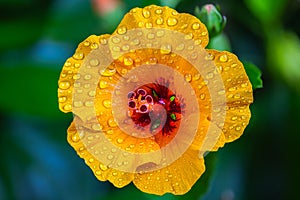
x,y
239,95
101,171
164,17
69,73
177,178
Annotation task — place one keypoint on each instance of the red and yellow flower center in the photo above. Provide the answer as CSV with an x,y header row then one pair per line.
x,y
156,107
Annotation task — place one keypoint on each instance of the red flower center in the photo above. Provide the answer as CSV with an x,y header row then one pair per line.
x,y
156,105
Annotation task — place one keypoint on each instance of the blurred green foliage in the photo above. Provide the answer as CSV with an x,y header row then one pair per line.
x,y
36,37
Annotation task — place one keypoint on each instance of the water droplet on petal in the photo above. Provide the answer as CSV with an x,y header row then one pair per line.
x,y
62,99
111,122
108,71
188,77
150,36
209,57
67,107
165,49
160,33
122,30
172,21
120,140
158,11
94,46
159,21
221,92
146,13
96,127
196,26
109,157
78,104
103,41
86,43
64,85
106,103
116,40
128,61
149,25
94,62
223,58
103,84
202,96
103,167
234,118
78,56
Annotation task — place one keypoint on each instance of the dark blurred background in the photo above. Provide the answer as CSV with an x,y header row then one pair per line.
x,y
36,37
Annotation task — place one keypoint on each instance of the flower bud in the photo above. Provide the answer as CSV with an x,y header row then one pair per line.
x,y
212,18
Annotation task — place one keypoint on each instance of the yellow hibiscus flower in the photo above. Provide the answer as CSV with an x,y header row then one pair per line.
x,y
149,100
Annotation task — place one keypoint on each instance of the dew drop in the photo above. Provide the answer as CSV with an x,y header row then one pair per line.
x,y
180,47
103,167
120,140
116,40
97,127
111,122
188,77
108,71
210,75
75,138
94,46
62,99
237,96
195,26
67,107
209,57
221,92
149,25
64,85
165,49
189,36
196,77
237,128
78,56
223,58
202,96
76,76
103,84
86,43
160,33
146,13
135,42
158,11
106,103
128,61
92,93
234,118
89,103
116,48
87,77
125,47
109,157
122,30
78,104
150,36
103,41
159,21
172,21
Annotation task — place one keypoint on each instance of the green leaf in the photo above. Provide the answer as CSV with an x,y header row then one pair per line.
x,y
266,10
254,75
283,50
